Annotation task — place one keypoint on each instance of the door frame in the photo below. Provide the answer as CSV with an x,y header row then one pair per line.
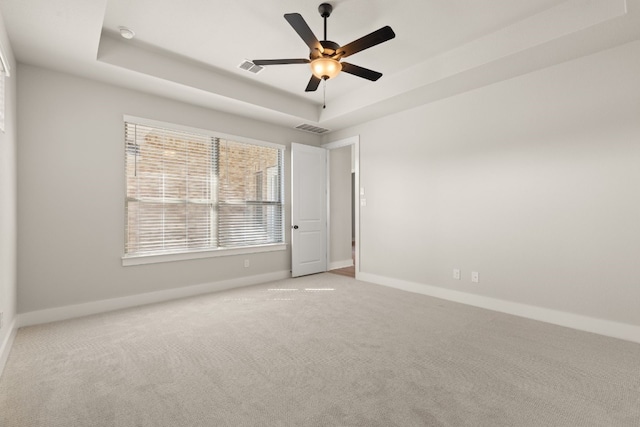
x,y
355,142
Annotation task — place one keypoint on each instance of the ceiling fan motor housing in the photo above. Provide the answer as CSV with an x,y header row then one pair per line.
x,y
330,49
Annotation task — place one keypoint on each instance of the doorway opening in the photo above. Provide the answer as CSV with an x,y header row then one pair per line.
x,y
343,207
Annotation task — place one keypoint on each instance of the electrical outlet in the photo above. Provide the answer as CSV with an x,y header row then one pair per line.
x,y
246,263
475,277
456,274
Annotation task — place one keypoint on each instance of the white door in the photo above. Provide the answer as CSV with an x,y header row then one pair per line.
x,y
308,210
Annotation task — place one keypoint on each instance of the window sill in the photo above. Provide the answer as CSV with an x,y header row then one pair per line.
x,y
210,253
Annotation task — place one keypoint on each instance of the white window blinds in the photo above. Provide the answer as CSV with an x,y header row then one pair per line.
x,y
192,192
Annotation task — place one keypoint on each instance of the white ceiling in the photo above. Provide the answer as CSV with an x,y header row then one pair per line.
x,y
190,49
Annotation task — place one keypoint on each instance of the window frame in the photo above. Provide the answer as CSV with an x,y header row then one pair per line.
x,y
139,259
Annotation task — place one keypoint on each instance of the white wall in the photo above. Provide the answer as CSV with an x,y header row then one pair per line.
x,y
533,182
8,203
340,207
71,187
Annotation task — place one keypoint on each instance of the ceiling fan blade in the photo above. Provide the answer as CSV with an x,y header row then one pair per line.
x,y
365,73
280,61
300,25
370,40
313,84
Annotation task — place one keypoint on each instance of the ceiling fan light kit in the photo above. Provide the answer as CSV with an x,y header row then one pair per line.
x,y
325,55
325,68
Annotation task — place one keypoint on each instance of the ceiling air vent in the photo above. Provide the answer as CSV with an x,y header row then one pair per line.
x,y
250,67
312,129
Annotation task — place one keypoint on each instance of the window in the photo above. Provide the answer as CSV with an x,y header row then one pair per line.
x,y
192,191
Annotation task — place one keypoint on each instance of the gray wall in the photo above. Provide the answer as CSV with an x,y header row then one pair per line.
x,y
8,197
533,182
340,205
71,187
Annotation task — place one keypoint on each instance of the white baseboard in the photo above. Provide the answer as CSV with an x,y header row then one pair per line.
x,y
6,344
341,264
102,306
609,328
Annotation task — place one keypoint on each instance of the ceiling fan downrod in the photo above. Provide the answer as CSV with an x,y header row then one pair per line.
x,y
325,10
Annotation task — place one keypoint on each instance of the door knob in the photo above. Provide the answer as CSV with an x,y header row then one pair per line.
x,y
295,227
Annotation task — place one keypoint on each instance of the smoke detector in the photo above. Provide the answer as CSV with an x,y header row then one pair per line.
x,y
127,33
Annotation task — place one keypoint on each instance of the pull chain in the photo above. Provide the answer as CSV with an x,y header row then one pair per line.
x,y
324,93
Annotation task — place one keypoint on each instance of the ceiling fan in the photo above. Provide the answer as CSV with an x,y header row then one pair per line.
x,y
325,55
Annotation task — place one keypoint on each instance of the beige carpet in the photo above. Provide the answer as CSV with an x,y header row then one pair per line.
x,y
322,350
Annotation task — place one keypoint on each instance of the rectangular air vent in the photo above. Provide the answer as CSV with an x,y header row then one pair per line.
x,y
312,129
250,67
